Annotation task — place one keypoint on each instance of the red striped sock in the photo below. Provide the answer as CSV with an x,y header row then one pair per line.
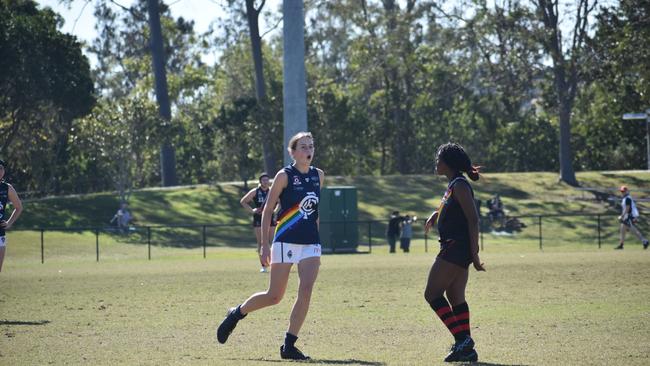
x,y
444,312
461,312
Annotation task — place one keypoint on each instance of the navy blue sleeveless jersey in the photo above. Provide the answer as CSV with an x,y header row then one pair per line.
x,y
260,197
452,223
4,198
297,219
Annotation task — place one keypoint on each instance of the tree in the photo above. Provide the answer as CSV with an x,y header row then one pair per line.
x,y
44,85
566,61
252,15
167,155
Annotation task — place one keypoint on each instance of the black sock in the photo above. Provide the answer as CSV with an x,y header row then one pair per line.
x,y
461,312
444,312
238,313
289,340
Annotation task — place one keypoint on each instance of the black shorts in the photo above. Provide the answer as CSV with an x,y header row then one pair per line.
x,y
257,220
456,252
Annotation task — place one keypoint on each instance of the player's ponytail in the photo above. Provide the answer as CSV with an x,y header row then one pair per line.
x,y
457,159
473,172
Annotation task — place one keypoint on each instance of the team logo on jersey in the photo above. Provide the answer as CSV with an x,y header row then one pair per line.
x,y
309,204
296,181
289,254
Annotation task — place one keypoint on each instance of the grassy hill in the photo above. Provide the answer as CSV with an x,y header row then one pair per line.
x,y
522,194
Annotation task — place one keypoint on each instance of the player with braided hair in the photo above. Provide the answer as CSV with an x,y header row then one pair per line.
x,y
457,220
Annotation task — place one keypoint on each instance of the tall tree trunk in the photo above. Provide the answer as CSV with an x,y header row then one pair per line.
x,y
252,15
565,72
566,156
167,152
392,69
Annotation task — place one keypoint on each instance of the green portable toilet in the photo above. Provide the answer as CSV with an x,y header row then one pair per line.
x,y
339,230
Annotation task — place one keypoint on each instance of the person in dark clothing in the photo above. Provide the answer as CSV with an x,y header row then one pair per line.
x,y
407,233
393,230
457,220
258,196
7,194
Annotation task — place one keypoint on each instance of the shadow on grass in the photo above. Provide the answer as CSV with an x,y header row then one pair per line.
x,y
20,322
321,361
487,364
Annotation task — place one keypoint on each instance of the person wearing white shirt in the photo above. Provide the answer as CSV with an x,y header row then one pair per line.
x,y
628,218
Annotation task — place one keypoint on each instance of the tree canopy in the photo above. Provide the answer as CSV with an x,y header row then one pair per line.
x,y
387,82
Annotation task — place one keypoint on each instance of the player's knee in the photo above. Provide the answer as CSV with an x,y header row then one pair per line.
x,y
274,298
430,295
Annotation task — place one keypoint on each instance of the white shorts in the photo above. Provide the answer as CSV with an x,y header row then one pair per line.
x,y
3,241
293,253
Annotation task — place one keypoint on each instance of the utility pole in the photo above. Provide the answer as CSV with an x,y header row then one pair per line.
x,y
294,88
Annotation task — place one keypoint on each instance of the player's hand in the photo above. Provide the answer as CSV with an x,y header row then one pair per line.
x,y
430,221
3,224
265,255
477,264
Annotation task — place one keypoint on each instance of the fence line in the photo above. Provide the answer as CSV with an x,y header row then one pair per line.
x,y
147,229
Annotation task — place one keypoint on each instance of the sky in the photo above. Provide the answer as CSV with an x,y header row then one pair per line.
x,y
80,21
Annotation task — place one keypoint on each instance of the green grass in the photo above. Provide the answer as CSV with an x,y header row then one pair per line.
x,y
522,193
568,304
571,307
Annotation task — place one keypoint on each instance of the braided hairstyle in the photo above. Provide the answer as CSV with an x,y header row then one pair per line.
x,y
457,159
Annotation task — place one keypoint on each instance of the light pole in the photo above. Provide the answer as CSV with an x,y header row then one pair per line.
x,y
642,116
294,87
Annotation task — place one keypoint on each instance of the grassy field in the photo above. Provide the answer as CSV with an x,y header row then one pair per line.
x,y
570,303
570,307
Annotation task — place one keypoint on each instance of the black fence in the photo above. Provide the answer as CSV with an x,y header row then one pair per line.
x,y
542,230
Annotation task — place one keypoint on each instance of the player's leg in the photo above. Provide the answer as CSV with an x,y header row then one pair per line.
x,y
307,272
2,256
273,295
258,238
464,347
441,275
621,241
638,234
277,287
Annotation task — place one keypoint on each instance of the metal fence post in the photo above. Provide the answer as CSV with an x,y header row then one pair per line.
x,y
149,241
204,228
598,231
369,236
42,247
540,232
426,243
97,243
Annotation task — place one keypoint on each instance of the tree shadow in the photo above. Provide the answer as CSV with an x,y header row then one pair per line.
x,y
320,361
487,364
20,322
